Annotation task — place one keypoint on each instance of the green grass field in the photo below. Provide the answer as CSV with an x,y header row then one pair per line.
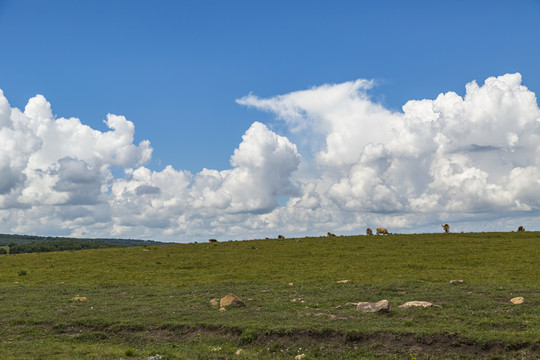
x,y
153,302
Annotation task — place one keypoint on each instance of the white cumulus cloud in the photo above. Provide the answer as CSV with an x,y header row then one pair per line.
x,y
449,157
454,158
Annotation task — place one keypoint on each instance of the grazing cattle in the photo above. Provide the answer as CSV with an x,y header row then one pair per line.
x,y
281,237
212,240
382,231
446,228
369,231
521,228
330,234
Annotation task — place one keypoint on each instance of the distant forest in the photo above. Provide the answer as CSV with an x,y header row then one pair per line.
x,y
19,244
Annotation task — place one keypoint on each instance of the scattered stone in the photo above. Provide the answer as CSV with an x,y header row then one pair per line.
x,y
411,304
456,282
339,307
351,304
265,291
231,300
517,300
343,281
300,357
291,284
80,298
300,300
214,302
382,305
239,351
222,309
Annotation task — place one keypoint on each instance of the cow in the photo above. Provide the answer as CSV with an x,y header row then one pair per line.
x,y
369,231
281,237
521,229
330,234
382,231
446,228
212,240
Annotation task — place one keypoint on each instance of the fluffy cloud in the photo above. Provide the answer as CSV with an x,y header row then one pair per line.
x,y
210,201
49,165
56,174
455,158
449,157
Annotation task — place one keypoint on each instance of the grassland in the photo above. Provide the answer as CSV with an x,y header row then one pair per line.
x,y
154,300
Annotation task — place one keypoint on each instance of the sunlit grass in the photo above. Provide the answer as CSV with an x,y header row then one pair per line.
x,y
144,298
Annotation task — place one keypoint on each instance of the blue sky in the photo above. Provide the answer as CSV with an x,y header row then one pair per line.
x,y
176,69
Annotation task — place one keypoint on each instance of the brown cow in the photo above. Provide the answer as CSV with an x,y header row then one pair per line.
x,y
446,228
521,229
382,231
212,240
369,231
281,237
330,234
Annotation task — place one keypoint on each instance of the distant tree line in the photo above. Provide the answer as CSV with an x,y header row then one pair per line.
x,y
56,245
6,239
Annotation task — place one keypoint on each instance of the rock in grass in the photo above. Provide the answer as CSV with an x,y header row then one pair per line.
x,y
231,300
382,305
411,304
343,281
214,302
80,298
517,300
456,282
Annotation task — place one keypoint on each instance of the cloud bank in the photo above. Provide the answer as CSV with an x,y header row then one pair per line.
x,y
345,163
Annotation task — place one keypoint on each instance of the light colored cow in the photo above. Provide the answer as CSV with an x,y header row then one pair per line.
x,y
446,228
382,231
281,237
369,231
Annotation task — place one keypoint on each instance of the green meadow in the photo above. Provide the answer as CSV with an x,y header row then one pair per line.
x,y
153,302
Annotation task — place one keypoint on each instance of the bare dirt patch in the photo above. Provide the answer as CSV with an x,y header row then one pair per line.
x,y
381,343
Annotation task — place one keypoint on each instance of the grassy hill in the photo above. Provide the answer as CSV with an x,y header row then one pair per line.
x,y
154,301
